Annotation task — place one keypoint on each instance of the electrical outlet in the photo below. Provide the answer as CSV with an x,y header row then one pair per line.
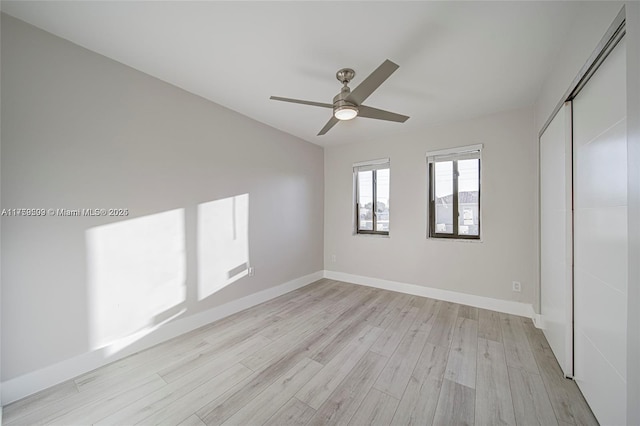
x,y
333,258
251,271
516,286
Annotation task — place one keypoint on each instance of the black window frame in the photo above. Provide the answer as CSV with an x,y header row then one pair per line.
x,y
372,166
454,156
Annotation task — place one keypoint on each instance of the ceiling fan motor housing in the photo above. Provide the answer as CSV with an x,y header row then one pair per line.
x,y
344,76
340,98
340,104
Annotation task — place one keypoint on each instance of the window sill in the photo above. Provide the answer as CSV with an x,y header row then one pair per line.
x,y
455,240
357,234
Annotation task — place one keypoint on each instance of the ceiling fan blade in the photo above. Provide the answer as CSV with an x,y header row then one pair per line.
x,y
298,101
372,82
332,122
380,114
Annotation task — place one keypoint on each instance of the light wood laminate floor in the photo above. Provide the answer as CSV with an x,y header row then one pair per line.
x,y
329,353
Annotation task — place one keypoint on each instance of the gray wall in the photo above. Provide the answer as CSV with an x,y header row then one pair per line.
x,y
589,26
509,216
83,131
633,188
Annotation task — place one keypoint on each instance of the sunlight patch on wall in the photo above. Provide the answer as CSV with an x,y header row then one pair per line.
x,y
137,273
223,243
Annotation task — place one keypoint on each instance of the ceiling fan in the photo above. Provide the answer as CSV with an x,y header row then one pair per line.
x,y
348,104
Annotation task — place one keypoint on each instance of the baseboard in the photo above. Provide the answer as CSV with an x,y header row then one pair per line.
x,y
538,320
30,383
499,305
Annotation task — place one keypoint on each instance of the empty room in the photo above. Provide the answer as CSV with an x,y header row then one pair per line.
x,y
320,212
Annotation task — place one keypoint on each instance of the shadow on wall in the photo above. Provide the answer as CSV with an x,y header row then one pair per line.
x,y
137,268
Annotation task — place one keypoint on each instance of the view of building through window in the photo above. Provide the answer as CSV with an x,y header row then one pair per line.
x,y
468,200
371,197
454,193
367,208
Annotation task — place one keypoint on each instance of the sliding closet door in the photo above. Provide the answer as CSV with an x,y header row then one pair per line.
x,y
601,238
555,237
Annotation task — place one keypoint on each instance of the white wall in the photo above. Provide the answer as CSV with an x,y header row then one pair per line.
x,y
509,214
83,131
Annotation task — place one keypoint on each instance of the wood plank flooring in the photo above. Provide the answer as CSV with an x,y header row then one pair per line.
x,y
328,353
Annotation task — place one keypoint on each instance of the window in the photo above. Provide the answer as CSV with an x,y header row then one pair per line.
x,y
371,189
454,193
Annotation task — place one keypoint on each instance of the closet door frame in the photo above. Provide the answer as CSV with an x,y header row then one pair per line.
x,y
608,42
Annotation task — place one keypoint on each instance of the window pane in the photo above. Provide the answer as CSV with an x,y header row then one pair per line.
x,y
382,200
468,200
443,181
365,200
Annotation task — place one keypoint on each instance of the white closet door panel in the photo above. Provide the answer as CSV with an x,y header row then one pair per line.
x,y
601,239
602,330
555,296
598,385
553,221
601,185
601,244
555,238
552,159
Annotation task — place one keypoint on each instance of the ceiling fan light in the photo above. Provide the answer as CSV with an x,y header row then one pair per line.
x,y
345,112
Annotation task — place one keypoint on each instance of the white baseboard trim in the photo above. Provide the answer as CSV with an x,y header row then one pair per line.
x,y
499,305
538,320
30,383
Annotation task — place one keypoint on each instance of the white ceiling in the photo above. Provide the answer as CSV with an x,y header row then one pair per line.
x,y
458,60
